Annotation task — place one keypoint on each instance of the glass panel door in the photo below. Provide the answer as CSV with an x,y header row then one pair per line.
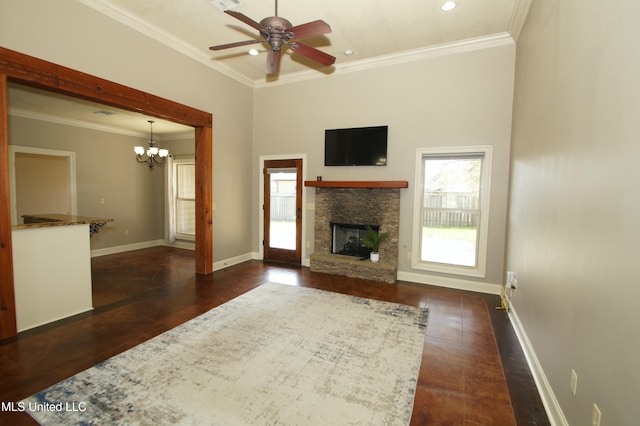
x,y
283,210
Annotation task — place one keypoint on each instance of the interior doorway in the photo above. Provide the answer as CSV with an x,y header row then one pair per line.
x,y
22,69
282,210
41,181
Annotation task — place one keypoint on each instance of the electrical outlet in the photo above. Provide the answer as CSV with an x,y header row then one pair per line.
x,y
574,382
409,255
595,417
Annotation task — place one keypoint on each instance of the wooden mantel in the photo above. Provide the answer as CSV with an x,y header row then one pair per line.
x,y
357,183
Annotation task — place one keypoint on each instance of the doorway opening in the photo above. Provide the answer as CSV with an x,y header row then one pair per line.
x,y
20,68
41,181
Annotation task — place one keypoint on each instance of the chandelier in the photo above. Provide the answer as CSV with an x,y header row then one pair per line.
x,y
155,156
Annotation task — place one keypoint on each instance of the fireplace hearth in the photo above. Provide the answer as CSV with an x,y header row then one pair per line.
x,y
346,239
340,251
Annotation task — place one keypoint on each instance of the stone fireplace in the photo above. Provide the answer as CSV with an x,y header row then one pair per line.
x,y
356,204
346,239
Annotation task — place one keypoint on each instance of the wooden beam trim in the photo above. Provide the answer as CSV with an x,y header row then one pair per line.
x,y
8,325
35,72
357,183
24,69
204,213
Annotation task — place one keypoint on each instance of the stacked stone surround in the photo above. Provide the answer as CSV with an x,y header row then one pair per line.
x,y
370,206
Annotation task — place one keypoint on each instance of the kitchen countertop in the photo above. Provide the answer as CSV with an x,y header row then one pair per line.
x,y
54,219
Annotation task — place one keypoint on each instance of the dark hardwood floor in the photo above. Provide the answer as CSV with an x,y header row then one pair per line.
x,y
473,371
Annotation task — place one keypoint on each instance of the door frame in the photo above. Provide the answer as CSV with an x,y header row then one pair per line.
x,y
304,261
71,173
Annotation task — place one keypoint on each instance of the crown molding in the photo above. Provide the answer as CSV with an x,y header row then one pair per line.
x,y
124,17
519,17
446,49
19,112
500,39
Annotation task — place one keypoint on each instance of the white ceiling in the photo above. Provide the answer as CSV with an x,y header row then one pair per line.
x,y
38,104
372,29
377,31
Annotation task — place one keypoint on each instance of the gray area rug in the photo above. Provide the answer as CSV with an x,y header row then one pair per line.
x,y
277,355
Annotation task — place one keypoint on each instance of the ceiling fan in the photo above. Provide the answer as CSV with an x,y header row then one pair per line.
x,y
278,32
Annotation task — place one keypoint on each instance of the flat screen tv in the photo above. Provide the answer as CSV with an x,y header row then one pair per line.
x,y
360,146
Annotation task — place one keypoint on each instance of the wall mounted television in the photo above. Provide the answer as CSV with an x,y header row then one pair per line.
x,y
358,146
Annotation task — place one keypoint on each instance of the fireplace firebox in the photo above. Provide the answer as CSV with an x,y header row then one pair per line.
x,y
346,239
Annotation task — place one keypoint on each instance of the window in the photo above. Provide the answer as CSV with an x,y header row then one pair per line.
x,y
452,210
185,198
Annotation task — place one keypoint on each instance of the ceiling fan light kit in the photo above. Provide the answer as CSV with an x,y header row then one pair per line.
x,y
278,32
226,4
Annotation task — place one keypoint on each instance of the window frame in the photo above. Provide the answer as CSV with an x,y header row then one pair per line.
x,y
177,163
483,224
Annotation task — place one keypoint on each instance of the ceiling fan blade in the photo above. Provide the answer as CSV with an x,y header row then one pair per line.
x,y
244,18
310,29
236,44
273,61
313,53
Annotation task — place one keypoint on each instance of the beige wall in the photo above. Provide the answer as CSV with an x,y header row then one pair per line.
x,y
459,99
42,185
71,34
109,182
575,208
180,147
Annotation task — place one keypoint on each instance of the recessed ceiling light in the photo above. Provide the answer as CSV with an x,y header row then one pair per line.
x,y
103,112
253,52
227,4
450,5
348,52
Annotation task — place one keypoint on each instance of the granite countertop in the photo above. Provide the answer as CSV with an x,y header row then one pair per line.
x,y
54,219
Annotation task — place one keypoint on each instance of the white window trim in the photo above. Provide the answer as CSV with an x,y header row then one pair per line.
x,y
485,191
176,163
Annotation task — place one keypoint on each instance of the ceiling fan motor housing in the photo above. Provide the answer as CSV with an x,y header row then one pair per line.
x,y
274,30
276,23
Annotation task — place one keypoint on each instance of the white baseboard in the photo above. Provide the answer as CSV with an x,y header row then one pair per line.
x,y
232,261
187,245
49,321
127,247
259,256
549,400
455,283
178,244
